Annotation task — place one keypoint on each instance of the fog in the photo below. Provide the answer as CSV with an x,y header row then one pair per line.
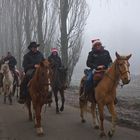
x,y
117,24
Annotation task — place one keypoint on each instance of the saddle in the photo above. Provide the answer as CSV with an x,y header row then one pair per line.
x,y
99,73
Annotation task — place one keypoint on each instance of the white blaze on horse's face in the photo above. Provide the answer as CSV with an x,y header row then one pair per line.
x,y
124,68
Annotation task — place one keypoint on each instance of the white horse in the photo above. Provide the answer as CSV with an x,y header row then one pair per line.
x,y
8,80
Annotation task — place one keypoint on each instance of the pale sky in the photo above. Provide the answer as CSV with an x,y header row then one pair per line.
x,y
117,24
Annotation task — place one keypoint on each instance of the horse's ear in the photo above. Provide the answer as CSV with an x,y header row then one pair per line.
x,y
129,56
117,55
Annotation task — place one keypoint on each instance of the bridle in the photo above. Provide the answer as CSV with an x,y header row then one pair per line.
x,y
117,68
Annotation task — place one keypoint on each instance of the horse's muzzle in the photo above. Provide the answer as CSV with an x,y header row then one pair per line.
x,y
125,81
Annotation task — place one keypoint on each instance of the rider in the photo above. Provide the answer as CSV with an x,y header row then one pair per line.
x,y
12,64
97,57
30,63
55,58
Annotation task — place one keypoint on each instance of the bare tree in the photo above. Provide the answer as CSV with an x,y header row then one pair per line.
x,y
73,15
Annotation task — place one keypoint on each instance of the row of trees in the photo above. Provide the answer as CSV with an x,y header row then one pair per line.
x,y
52,23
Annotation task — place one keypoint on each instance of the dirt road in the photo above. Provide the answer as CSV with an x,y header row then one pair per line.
x,y
14,125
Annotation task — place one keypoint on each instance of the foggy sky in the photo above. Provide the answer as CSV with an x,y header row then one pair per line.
x,y
117,24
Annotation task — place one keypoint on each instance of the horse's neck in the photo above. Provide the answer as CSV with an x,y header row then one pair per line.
x,y
8,75
112,76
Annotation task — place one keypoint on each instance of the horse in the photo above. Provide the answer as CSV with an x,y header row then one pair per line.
x,y
59,84
105,92
39,87
7,82
1,76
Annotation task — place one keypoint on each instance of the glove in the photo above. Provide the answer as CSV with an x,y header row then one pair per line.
x,y
36,65
101,67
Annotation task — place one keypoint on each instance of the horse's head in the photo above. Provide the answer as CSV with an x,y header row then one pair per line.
x,y
123,67
43,72
5,68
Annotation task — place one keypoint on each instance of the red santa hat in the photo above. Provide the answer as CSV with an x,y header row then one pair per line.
x,y
54,50
95,41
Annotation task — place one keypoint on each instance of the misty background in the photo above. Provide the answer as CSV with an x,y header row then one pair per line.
x,y
116,23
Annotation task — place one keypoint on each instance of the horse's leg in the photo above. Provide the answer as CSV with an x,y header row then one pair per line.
x,y
28,103
83,107
10,99
112,111
4,98
14,89
62,99
39,128
94,115
101,113
56,100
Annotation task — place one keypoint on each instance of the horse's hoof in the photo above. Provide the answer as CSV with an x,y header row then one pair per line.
x,y
57,112
40,131
62,109
102,134
110,133
30,119
96,127
83,120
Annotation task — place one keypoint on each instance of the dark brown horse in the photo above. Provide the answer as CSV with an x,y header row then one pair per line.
x,y
105,92
59,84
39,87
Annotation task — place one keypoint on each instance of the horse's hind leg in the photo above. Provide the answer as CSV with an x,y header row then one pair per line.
x,y
101,113
112,111
28,103
94,115
83,107
62,99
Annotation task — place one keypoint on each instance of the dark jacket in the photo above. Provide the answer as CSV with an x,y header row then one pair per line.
x,y
30,59
12,61
98,58
56,60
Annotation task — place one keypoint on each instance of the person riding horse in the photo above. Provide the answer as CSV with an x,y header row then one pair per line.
x,y
54,57
12,62
98,58
30,62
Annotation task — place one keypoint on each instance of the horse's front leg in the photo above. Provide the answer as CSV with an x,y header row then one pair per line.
x,y
56,101
39,128
10,99
62,99
112,111
4,97
101,113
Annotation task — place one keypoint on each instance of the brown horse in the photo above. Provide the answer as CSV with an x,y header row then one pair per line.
x,y
39,87
105,92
